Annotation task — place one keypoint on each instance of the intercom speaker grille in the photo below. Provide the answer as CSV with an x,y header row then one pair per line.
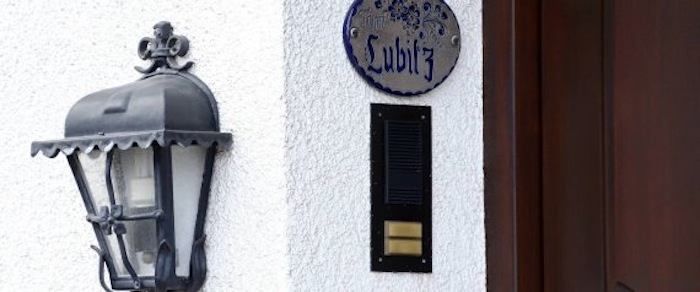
x,y
404,140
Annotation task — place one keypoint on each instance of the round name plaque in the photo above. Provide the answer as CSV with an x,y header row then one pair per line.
x,y
403,47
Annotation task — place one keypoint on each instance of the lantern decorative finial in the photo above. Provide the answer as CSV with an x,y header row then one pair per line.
x,y
163,49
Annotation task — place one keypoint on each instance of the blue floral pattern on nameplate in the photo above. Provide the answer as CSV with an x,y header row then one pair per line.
x,y
404,47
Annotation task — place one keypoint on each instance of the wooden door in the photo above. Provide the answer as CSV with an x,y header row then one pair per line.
x,y
621,145
655,138
616,182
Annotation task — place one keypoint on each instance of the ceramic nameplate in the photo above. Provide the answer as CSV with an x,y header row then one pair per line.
x,y
404,47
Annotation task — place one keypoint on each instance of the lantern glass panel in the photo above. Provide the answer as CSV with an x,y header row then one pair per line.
x,y
94,170
134,189
188,171
93,165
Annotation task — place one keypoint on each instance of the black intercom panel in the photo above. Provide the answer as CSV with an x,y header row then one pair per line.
x,y
401,188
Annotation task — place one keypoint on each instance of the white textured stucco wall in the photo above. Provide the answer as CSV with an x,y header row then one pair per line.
x,y
328,119
290,202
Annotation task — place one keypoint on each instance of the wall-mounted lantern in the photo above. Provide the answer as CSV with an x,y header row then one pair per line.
x,y
142,155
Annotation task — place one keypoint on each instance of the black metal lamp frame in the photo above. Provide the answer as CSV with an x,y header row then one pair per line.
x,y
106,220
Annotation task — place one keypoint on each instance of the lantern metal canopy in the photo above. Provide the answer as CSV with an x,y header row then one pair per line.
x,y
142,155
